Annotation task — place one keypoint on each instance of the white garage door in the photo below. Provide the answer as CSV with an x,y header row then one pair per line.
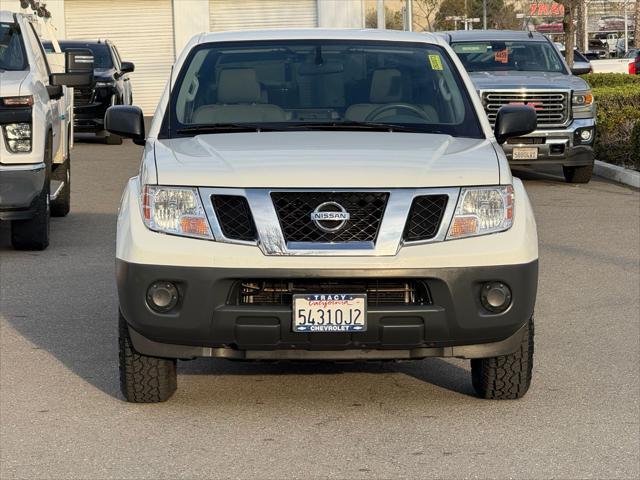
x,y
142,32
251,14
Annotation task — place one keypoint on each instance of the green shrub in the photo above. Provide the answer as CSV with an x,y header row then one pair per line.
x,y
597,80
618,128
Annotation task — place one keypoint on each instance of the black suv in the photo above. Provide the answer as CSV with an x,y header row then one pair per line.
x,y
111,87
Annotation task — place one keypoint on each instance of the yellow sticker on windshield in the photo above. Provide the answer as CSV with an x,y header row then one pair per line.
x,y
436,62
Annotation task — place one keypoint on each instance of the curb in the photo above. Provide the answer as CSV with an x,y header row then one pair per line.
x,y
617,174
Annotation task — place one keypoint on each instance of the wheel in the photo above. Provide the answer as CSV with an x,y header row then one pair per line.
x,y
33,233
62,204
506,377
112,139
578,174
143,379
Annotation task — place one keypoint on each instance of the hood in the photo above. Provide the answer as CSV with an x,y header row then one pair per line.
x,y
104,74
326,160
11,81
528,80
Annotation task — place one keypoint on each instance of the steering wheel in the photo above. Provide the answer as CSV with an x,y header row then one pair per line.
x,y
391,106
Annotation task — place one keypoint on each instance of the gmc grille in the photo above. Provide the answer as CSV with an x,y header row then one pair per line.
x,y
552,108
387,292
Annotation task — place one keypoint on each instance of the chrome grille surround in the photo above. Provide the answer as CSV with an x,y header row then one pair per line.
x,y
272,241
553,107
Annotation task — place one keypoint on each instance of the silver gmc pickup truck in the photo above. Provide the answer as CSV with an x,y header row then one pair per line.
x,y
518,67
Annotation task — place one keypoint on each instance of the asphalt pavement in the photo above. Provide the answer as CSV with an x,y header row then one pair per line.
x,y
62,416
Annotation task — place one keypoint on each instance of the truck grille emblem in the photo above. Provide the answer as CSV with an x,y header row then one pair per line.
x,y
330,217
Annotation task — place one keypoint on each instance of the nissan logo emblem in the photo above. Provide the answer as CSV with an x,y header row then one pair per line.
x,y
330,217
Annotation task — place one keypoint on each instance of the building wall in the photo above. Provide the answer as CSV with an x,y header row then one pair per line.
x,y
341,13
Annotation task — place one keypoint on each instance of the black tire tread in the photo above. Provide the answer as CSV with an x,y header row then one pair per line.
x,y
578,174
505,377
143,379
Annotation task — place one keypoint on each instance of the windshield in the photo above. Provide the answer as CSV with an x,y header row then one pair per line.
x,y
101,54
505,56
12,55
321,84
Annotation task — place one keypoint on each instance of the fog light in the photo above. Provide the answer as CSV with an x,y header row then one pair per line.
x,y
495,297
162,296
586,135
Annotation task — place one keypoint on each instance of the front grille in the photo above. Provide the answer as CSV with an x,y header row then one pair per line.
x,y
552,108
425,217
234,217
387,292
82,96
294,210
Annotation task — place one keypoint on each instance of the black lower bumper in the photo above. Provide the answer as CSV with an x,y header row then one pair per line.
x,y
18,190
575,156
209,322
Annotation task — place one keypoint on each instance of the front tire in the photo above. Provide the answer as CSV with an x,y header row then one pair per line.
x,y
61,206
143,379
506,377
578,174
33,233
112,139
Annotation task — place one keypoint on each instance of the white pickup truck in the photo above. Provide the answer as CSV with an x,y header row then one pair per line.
x,y
35,129
324,195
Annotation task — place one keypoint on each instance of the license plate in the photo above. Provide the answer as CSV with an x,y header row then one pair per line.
x,y
525,153
330,312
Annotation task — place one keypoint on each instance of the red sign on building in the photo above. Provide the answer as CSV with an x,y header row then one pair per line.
x,y
546,9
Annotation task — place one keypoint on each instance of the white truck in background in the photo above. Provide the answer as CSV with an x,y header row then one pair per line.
x,y
611,65
35,128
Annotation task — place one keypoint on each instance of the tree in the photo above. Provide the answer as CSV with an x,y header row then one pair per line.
x,y
424,12
569,27
393,19
500,14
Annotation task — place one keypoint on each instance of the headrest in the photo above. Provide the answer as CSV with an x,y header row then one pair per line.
x,y
386,86
238,85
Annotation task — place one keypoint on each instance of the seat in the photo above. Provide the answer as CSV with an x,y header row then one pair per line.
x,y
240,100
387,86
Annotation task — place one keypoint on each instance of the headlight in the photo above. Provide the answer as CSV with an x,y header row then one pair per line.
x,y
482,210
175,210
582,99
18,137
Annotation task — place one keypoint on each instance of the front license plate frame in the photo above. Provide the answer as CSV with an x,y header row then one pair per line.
x,y
525,153
329,313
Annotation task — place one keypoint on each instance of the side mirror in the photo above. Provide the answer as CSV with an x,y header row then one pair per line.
x,y
580,71
126,121
79,69
127,67
514,121
79,60
54,91
71,79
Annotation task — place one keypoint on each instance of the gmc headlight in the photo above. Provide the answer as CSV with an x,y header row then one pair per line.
x,y
18,137
482,210
175,210
582,99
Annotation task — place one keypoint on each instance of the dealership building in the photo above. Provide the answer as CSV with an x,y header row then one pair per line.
x,y
151,33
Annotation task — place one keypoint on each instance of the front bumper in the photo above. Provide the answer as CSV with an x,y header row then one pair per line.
x,y
558,146
89,118
19,187
209,322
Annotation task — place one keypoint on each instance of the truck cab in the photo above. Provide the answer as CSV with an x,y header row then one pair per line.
x,y
35,122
